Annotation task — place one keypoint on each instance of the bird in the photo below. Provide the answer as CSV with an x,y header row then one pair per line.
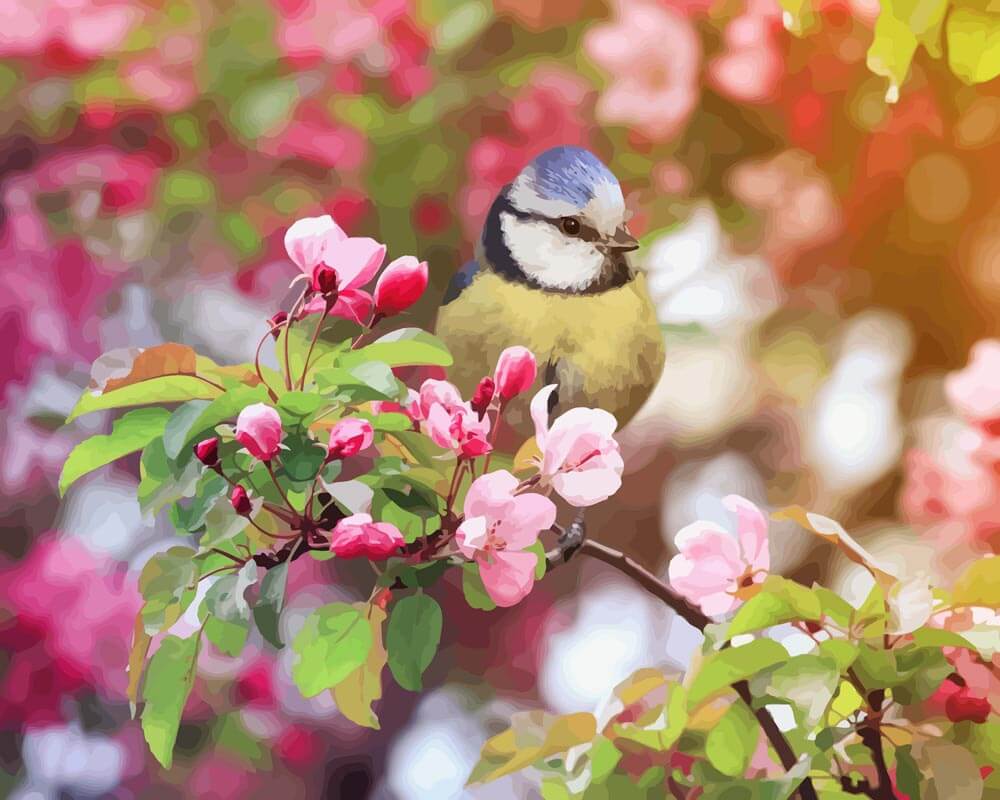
x,y
552,272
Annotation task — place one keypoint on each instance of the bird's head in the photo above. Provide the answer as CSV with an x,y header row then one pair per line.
x,y
561,224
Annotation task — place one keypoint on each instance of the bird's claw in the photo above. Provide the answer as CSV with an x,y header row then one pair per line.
x,y
572,537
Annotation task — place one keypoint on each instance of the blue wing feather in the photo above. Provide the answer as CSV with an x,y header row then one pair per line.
x,y
460,280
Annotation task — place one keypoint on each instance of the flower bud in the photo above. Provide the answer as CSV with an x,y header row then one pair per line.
x,y
516,371
483,396
962,706
358,536
207,451
276,322
349,437
400,286
241,501
324,280
258,429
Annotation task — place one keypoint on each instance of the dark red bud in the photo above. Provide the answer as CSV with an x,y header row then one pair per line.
x,y
483,396
207,451
277,321
324,281
383,598
241,501
962,707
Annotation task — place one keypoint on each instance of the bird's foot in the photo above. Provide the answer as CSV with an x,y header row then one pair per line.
x,y
572,537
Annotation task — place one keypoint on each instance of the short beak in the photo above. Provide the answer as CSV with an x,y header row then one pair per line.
x,y
623,240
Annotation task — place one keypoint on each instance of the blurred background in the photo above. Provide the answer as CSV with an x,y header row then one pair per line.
x,y
820,260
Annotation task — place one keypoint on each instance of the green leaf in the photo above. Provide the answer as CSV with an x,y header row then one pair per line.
x,y
834,606
902,26
168,683
539,550
533,736
412,638
296,406
354,373
979,584
167,585
604,757
868,621
779,600
224,407
267,611
210,489
876,667
170,389
303,460
807,681
225,611
406,347
720,670
355,694
840,652
162,481
333,642
473,589
732,741
132,432
175,434
908,777
974,44
661,727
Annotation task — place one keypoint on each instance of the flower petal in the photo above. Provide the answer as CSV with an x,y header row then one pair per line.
x,y
356,261
587,487
540,413
751,527
308,240
471,535
527,515
508,576
703,540
491,496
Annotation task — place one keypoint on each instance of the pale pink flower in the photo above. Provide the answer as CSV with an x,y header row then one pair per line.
x,y
751,66
400,285
357,536
258,429
516,371
450,421
349,437
498,527
974,392
711,566
580,457
653,54
319,241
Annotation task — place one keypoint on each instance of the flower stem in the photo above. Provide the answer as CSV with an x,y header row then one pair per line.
x,y
256,361
312,344
288,328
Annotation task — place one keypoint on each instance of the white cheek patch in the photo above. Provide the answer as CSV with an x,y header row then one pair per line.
x,y
546,255
606,209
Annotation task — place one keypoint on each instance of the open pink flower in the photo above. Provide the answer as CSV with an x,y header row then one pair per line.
x,y
358,536
318,241
349,437
258,429
974,392
450,421
580,457
712,566
498,527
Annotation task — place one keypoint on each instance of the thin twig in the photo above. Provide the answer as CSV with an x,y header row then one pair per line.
x,y
312,344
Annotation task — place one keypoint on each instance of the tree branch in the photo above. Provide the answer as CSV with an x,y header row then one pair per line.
x,y
572,541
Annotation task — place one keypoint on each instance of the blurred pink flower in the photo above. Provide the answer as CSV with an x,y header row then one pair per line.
x,y
312,135
498,526
450,421
653,54
516,371
545,113
87,28
258,429
974,391
580,457
349,437
316,242
711,566
357,536
751,66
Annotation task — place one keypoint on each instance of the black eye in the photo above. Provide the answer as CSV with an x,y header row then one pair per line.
x,y
570,225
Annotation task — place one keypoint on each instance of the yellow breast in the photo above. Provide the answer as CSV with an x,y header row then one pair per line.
x,y
607,348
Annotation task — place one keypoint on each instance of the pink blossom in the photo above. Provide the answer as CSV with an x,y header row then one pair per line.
x,y
580,457
349,437
751,65
258,429
653,54
498,527
357,536
450,421
400,285
711,566
316,242
974,392
516,371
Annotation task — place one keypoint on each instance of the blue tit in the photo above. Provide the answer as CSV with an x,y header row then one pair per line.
x,y
552,273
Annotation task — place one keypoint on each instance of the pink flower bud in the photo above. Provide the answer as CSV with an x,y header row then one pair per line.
x,y
516,371
349,437
324,280
400,286
241,501
483,396
276,322
207,451
258,429
358,536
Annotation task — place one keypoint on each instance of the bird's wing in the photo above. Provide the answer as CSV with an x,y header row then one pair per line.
x,y
459,281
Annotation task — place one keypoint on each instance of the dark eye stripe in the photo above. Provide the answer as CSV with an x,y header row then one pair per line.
x,y
586,232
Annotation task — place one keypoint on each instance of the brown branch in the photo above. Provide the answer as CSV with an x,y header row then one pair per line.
x,y
570,543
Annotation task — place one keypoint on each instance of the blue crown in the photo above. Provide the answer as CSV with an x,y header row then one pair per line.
x,y
570,174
